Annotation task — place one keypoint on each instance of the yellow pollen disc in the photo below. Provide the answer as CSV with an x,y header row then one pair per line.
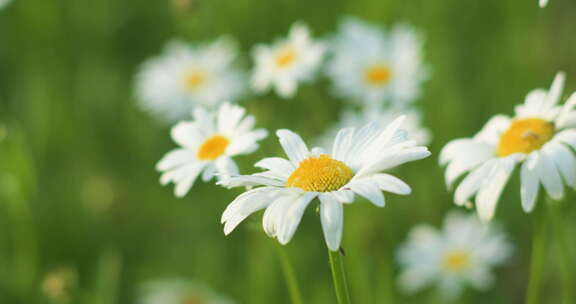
x,y
377,74
213,147
193,80
456,260
320,174
285,57
525,136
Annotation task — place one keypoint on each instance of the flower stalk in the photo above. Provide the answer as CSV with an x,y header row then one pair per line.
x,y
537,258
339,277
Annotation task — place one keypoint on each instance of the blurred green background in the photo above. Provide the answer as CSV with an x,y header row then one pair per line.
x,y
78,187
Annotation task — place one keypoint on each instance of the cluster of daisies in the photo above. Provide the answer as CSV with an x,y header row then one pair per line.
x,y
381,73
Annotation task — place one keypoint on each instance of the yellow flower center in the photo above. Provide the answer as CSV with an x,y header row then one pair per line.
x,y
456,260
320,174
285,57
378,74
213,147
193,80
525,136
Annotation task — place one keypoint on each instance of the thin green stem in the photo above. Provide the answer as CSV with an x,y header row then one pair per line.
x,y
339,277
563,250
289,276
538,253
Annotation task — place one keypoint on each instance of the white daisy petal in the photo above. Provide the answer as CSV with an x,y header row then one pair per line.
x,y
274,214
489,193
331,216
369,189
187,134
392,184
568,137
281,167
246,204
473,182
565,162
549,175
556,89
209,172
343,144
175,158
185,183
229,116
293,146
344,196
530,183
292,217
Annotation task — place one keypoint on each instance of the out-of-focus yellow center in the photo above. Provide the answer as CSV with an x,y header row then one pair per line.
x,y
379,74
285,57
525,136
456,260
213,147
194,80
320,174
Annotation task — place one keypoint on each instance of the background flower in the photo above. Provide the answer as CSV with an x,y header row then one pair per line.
x,y
178,291
185,76
207,145
286,63
463,253
371,65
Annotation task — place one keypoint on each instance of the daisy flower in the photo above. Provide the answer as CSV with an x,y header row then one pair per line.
x,y
538,138
178,291
352,167
350,118
184,76
462,253
371,65
207,145
287,62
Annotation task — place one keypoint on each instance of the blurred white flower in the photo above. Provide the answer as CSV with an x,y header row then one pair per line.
x,y
353,166
538,137
185,76
463,253
543,3
178,291
371,65
207,144
286,63
350,118
4,3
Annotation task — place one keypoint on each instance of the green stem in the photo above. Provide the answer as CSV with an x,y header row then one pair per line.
x,y
538,253
563,250
339,277
289,275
